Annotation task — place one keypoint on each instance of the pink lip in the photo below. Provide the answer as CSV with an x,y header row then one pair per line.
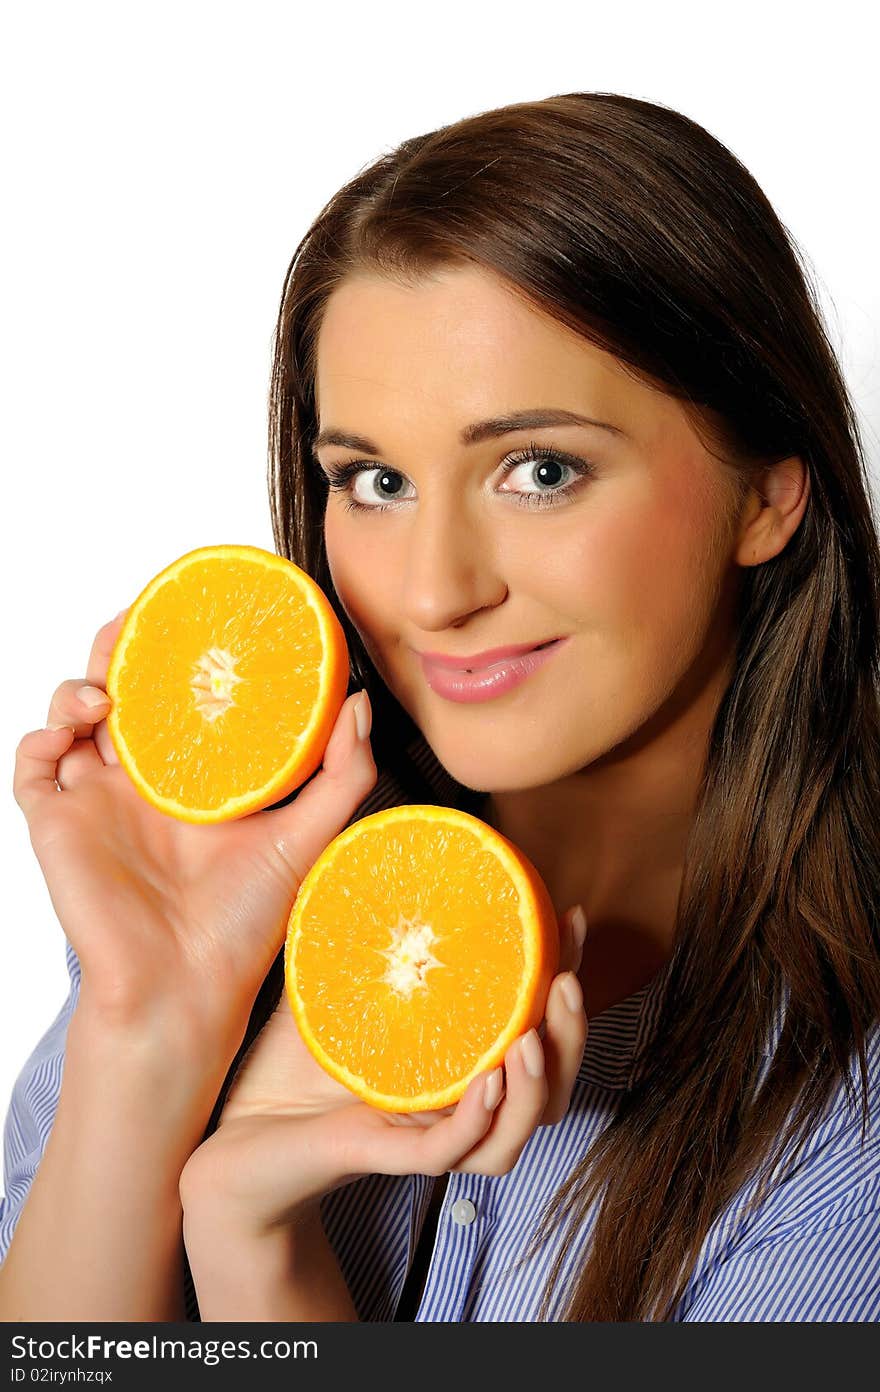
x,y
480,659
489,681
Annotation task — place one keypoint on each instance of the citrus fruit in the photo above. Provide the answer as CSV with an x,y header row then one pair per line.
x,y
420,944
225,681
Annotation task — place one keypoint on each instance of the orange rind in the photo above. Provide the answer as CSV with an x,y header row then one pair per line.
x,y
226,680
420,945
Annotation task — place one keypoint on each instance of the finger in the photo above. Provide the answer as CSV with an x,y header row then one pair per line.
x,y
102,650
563,1043
572,936
520,1112
374,1147
96,674
267,1166
36,761
580,928
84,705
74,702
73,705
420,1118
304,828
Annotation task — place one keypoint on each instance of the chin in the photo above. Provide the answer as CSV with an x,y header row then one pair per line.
x,y
497,775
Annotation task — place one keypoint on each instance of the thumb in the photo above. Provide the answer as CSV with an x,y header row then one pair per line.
x,y
303,829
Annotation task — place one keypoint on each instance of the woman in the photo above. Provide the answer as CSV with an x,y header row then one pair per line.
x,y
565,354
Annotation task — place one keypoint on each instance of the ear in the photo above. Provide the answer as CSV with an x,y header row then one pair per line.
x,y
776,503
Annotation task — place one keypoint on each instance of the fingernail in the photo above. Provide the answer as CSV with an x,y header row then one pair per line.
x,y
492,1090
532,1054
579,926
571,992
91,696
363,714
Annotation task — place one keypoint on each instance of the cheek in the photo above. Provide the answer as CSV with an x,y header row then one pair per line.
x,y
352,556
651,569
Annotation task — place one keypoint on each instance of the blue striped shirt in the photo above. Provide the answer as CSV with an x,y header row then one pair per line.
x,y
809,1252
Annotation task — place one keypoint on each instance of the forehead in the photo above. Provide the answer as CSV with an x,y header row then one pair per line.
x,y
461,343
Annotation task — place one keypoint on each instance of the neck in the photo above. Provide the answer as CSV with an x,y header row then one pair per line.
x,y
631,910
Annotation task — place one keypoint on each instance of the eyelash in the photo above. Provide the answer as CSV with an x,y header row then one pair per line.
x,y
339,477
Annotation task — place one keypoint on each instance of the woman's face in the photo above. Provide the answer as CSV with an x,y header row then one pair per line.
x,y
627,560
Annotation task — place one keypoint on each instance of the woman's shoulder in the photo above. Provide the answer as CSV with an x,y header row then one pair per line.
x,y
800,1240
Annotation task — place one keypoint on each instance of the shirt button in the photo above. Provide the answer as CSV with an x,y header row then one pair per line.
x,y
463,1211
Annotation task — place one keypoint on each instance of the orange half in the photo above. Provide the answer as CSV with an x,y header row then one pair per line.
x,y
226,680
421,944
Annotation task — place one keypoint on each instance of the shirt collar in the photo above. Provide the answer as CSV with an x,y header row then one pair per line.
x,y
615,1037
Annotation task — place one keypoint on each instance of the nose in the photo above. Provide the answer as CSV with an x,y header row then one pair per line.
x,y
451,568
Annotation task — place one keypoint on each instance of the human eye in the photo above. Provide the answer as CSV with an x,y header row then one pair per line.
x,y
339,477
548,460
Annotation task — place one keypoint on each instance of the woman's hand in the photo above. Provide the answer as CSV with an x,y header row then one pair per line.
x,y
175,924
289,1132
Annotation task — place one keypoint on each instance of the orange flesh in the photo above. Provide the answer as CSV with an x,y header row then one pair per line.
x,y
417,953
223,677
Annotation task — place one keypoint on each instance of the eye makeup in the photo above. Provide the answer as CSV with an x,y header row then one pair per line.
x,y
339,477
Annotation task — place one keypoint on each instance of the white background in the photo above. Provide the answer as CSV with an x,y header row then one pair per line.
x,y
160,164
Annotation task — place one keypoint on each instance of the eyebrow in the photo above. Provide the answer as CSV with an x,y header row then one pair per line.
x,y
481,430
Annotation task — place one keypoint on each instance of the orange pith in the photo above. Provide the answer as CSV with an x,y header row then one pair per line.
x,y
421,944
225,682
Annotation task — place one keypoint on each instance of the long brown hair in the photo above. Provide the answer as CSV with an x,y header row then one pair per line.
x,y
634,226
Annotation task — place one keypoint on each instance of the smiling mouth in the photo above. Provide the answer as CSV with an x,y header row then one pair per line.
x,y
501,661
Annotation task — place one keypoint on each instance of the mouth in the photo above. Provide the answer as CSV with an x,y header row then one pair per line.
x,y
484,683
503,660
